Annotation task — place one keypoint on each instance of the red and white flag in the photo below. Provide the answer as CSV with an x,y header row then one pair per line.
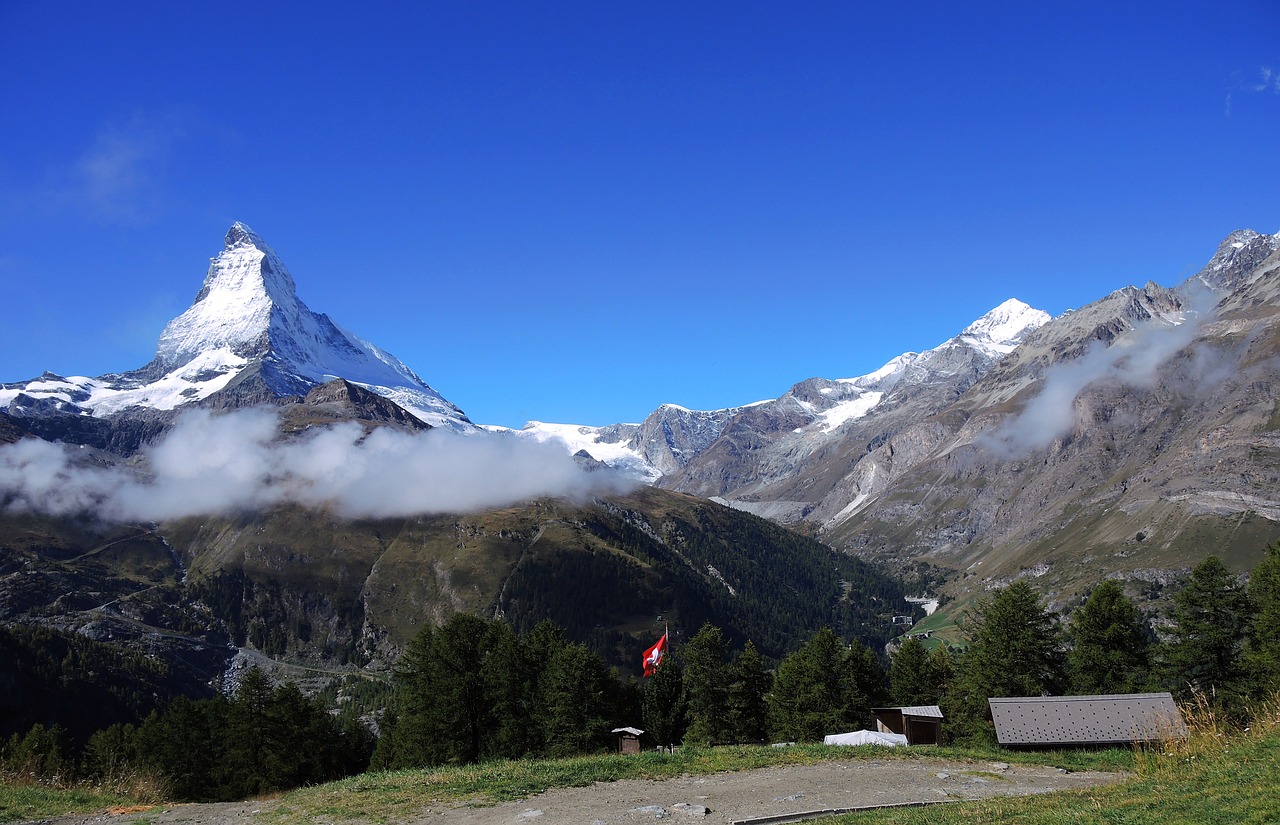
x,y
653,656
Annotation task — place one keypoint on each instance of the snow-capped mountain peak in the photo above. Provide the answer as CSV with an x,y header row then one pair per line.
x,y
246,283
1004,327
246,328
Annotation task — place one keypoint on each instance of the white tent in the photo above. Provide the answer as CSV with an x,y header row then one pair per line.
x,y
865,737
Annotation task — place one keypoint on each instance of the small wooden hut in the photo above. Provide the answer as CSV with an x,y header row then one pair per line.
x,y
921,724
628,739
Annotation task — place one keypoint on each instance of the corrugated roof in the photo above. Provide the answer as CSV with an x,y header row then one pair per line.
x,y
927,711
1086,720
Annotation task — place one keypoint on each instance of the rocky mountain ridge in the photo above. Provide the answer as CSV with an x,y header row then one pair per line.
x,y
1129,438
667,447
754,461
1074,448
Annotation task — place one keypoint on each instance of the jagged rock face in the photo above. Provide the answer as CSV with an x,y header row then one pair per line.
x,y
341,400
1239,256
671,435
1132,437
246,339
790,457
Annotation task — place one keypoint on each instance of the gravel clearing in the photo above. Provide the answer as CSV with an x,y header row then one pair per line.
x,y
720,798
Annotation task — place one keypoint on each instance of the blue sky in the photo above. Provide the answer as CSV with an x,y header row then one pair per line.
x,y
575,212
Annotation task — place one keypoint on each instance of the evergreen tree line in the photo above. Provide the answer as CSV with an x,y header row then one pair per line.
x,y
1221,646
703,695
262,739
474,689
51,676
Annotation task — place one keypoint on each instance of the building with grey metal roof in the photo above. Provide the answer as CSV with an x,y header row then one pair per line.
x,y
1119,719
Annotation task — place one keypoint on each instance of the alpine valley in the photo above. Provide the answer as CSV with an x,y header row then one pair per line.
x,y
261,495
1129,438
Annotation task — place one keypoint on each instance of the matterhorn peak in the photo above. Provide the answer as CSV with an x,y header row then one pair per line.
x,y
245,288
241,235
248,330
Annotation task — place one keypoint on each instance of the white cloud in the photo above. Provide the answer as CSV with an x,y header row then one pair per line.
x,y
211,464
1133,360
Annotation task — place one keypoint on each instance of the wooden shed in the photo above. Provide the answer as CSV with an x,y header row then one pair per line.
x,y
628,739
921,724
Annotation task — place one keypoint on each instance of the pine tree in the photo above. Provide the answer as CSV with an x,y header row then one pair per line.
x,y
1263,656
1210,617
407,738
1110,643
664,704
706,687
44,752
865,686
303,744
808,697
576,702
109,753
445,713
244,769
750,684
511,680
187,744
942,670
911,678
1015,649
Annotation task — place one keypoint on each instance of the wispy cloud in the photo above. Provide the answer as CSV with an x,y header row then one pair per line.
x,y
119,176
234,462
1266,80
1133,360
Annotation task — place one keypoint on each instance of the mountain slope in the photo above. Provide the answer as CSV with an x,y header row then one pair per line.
x,y
246,339
304,586
1132,438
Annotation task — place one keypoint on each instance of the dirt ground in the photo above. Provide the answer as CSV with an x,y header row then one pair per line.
x,y
722,798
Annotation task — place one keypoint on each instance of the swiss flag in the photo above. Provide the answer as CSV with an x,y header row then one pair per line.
x,y
653,656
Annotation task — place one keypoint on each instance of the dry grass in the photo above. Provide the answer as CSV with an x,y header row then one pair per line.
x,y
24,797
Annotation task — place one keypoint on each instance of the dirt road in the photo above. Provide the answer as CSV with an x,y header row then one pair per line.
x,y
721,799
